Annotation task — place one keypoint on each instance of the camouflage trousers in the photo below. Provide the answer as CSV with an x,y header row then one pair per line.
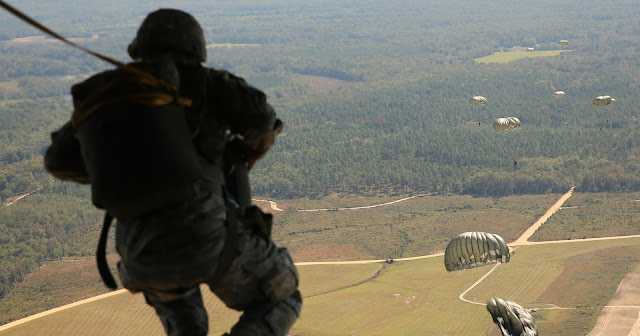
x,y
168,255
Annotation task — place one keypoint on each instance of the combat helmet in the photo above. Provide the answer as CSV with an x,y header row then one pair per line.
x,y
169,31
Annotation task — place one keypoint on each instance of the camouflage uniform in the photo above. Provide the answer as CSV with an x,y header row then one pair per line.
x,y
167,254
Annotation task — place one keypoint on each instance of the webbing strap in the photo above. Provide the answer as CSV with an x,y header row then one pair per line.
x,y
103,267
107,59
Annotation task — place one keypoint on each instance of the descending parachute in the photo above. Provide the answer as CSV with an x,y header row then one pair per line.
x,y
511,318
506,124
478,100
473,249
559,94
604,101
531,49
563,42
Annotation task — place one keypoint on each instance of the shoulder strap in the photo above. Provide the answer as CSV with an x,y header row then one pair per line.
x,y
103,267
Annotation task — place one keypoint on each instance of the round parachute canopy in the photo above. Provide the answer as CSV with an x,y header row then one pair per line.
x,y
559,94
511,318
531,49
478,100
474,249
563,42
506,124
604,101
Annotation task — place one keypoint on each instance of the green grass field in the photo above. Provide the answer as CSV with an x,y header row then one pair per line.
x,y
506,57
406,298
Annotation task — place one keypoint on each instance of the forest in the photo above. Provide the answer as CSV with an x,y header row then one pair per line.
x,y
400,122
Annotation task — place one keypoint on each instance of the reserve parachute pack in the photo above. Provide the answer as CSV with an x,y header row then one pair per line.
x,y
135,141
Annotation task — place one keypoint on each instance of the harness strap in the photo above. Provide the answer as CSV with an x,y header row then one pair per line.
x,y
103,267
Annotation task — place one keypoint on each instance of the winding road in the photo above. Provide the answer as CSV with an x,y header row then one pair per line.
x,y
274,205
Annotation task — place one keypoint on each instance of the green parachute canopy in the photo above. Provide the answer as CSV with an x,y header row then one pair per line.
x,y
473,249
506,124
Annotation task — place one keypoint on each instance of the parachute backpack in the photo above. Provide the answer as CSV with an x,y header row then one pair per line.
x,y
135,141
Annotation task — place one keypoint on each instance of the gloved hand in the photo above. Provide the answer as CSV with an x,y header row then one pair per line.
x,y
259,142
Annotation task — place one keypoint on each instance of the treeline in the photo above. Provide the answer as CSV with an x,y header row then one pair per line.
x,y
426,137
42,227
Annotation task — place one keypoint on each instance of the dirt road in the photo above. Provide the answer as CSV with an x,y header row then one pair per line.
x,y
274,205
523,240
54,310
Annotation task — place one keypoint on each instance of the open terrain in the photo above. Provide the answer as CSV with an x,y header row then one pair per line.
x,y
568,283
405,298
621,316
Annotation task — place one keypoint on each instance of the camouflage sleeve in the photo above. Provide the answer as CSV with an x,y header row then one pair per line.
x,y
63,158
245,110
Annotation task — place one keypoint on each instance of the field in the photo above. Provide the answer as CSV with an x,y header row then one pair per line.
x,y
588,215
405,298
415,227
10,87
568,283
506,57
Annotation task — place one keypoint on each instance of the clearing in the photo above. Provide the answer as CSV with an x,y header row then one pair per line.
x,y
509,56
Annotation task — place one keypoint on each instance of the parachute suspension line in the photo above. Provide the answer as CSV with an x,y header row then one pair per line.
x,y
125,67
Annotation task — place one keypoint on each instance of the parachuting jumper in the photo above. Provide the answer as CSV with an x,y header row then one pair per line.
x,y
604,101
478,100
511,318
506,124
474,249
563,42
